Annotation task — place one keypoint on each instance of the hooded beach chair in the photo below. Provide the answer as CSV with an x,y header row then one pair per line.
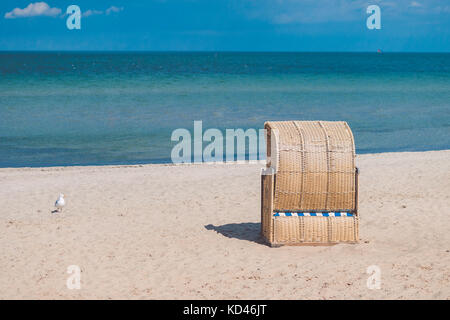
x,y
309,189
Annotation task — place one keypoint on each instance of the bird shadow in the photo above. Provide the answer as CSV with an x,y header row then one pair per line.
x,y
249,231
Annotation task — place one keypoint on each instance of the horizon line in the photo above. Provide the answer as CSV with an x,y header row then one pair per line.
x,y
218,51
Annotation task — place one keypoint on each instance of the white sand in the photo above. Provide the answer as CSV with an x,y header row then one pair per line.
x,y
158,231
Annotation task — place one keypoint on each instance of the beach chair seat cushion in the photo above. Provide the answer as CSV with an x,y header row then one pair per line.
x,y
313,214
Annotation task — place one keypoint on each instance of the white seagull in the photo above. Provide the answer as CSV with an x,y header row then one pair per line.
x,y
60,203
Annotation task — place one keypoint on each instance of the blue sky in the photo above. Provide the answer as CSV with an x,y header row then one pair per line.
x,y
230,25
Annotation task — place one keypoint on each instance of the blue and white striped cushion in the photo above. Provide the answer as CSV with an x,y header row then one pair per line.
x,y
313,214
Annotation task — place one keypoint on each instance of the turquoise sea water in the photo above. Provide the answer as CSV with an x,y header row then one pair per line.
x,y
79,108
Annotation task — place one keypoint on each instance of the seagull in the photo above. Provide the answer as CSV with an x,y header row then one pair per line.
x,y
60,203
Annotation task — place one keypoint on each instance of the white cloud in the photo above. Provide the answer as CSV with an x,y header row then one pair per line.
x,y
286,12
113,9
33,10
91,13
306,11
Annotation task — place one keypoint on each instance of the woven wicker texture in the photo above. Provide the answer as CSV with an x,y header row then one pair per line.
x,y
293,230
315,163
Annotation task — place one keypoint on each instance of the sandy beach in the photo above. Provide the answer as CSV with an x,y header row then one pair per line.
x,y
192,232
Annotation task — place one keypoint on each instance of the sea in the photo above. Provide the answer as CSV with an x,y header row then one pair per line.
x,y
108,108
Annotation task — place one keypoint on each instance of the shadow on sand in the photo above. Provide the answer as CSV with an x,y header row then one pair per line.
x,y
249,231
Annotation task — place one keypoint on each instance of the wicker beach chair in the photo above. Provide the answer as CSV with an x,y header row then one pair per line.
x,y
309,190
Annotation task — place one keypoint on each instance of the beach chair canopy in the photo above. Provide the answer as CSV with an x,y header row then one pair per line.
x,y
314,162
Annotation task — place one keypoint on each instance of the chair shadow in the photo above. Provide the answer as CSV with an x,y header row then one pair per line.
x,y
249,231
